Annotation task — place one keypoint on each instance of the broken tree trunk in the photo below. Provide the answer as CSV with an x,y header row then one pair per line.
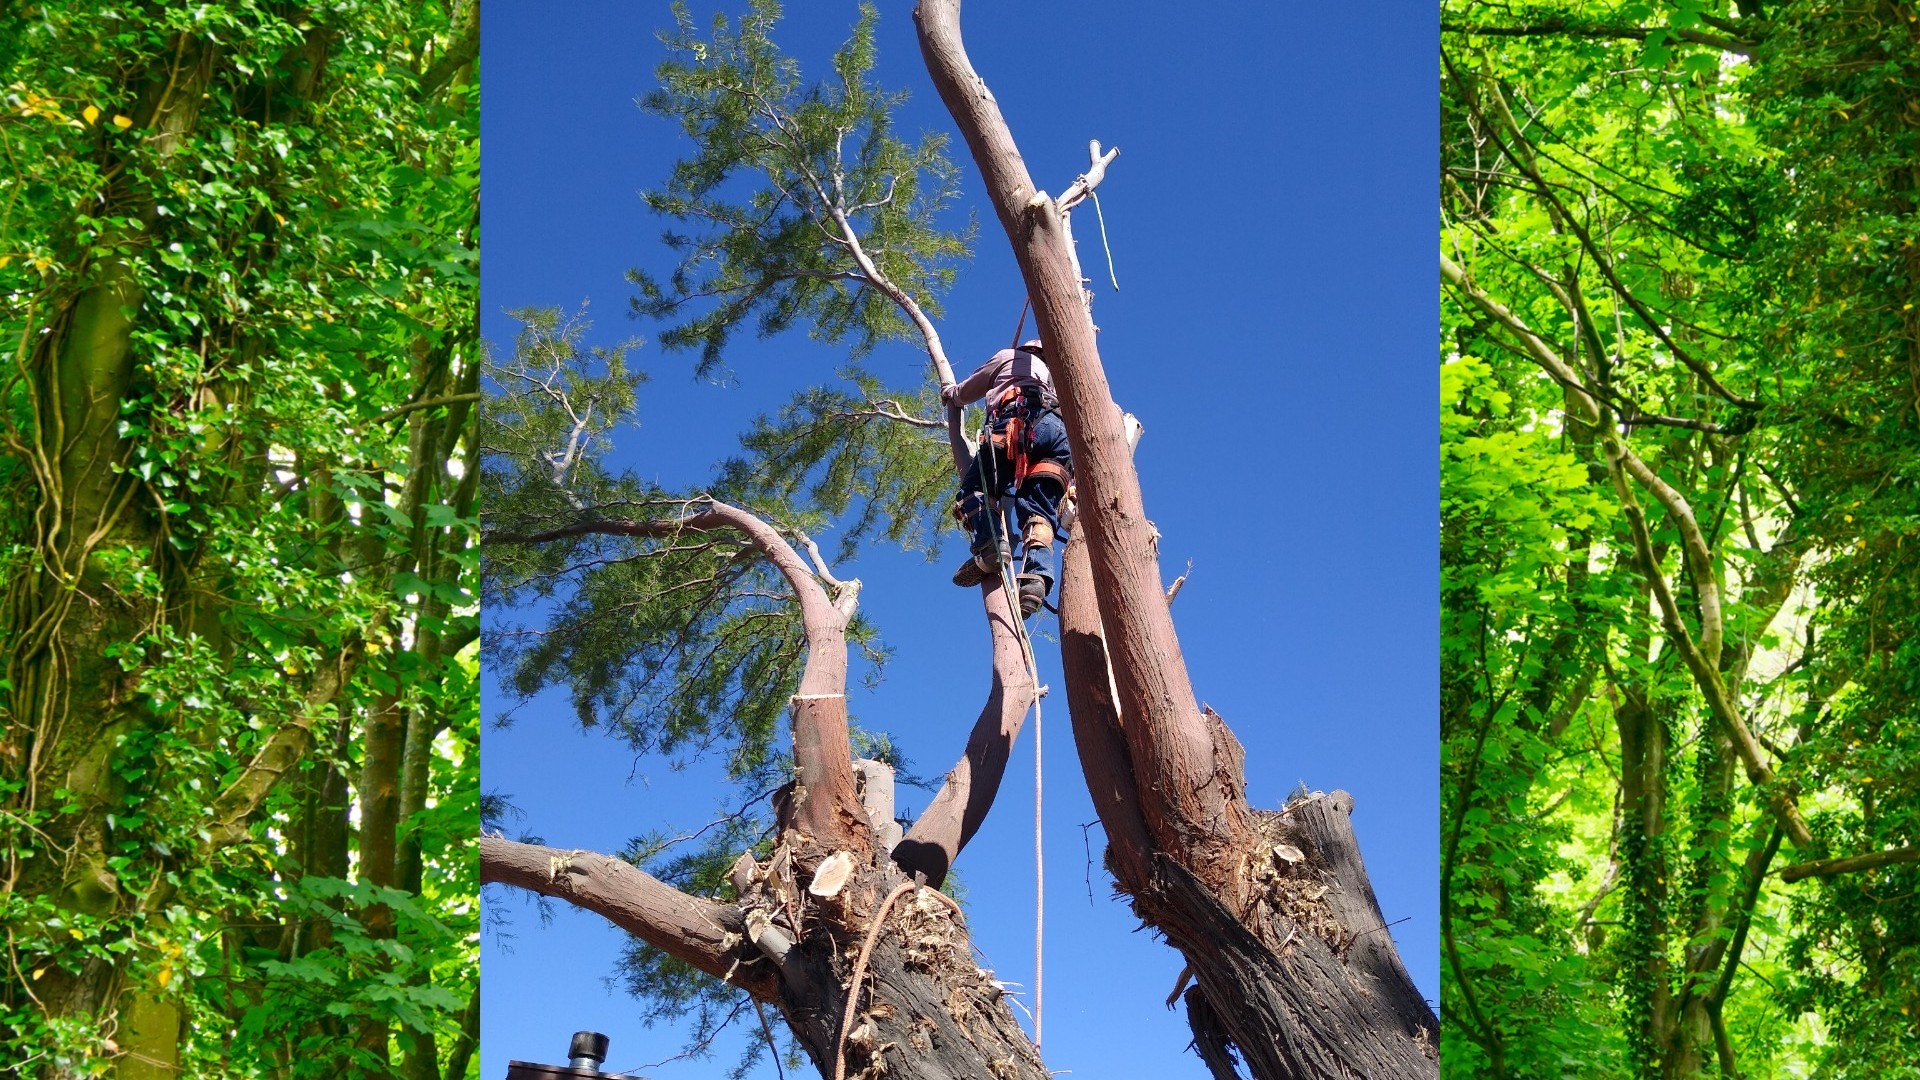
x,y
924,1010
1296,971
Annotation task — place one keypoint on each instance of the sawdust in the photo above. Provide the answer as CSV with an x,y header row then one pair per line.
x,y
1284,880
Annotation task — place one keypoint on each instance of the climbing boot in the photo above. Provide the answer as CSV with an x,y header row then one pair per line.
x,y
1033,594
975,570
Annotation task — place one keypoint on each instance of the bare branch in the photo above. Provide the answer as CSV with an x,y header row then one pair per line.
x,y
1850,863
889,409
707,935
1558,27
1084,184
429,403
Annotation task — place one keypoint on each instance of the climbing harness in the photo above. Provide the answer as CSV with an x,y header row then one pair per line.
x,y
1010,428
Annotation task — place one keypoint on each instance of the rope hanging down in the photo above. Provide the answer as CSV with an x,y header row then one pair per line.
x,y
1012,594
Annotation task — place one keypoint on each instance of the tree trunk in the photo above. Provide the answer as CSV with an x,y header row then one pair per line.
x,y
795,936
925,1008
1307,983
1296,970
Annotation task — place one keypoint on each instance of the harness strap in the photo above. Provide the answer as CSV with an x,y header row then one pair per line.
x,y
1050,469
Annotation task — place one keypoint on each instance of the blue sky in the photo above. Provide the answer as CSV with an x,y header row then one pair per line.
x,y
1271,217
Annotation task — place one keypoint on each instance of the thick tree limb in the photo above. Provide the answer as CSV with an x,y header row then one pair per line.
x,y
1850,863
828,809
960,807
1705,675
1623,462
1191,815
707,935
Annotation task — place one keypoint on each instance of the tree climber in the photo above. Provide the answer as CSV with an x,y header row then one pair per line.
x,y
1023,454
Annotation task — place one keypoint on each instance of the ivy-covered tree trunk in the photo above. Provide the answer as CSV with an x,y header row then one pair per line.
x,y
1748,487
199,368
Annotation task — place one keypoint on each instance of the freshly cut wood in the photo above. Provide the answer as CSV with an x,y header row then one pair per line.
x,y
831,875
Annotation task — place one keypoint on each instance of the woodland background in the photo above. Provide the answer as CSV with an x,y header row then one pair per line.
x,y
238,718
1680,364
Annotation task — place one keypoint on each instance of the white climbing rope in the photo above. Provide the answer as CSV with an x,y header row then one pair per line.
x,y
1039,791
1012,594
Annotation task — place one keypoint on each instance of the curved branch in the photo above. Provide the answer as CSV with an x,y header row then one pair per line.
x,y
829,808
961,805
1706,587
699,932
1850,863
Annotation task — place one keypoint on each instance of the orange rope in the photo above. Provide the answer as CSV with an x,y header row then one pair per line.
x,y
860,969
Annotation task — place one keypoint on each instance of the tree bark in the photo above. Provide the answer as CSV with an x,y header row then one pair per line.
x,y
930,1012
1164,775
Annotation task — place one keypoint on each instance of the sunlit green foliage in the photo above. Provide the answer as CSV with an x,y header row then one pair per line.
x,y
1708,211
237,715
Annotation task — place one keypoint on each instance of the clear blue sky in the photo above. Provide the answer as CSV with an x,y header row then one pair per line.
x,y
1272,217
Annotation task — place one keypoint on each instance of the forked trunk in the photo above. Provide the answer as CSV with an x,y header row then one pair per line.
x,y
829,916
1296,970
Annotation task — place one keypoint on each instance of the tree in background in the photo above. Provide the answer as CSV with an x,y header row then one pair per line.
x,y
1681,443
688,618
237,716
